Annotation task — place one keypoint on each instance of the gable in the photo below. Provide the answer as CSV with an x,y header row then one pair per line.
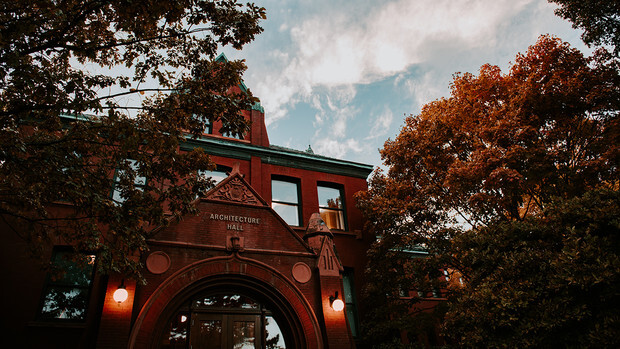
x,y
329,263
234,209
235,190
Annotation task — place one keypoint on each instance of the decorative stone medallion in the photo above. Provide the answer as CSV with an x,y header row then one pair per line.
x,y
302,272
158,262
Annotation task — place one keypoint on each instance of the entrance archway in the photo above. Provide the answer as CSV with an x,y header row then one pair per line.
x,y
275,295
222,320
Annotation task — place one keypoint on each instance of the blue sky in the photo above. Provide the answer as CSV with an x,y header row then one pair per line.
x,y
342,75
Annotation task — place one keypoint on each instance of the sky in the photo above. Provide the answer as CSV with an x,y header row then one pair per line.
x,y
341,76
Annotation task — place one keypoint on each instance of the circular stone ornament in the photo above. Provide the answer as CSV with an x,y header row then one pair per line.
x,y
158,262
302,272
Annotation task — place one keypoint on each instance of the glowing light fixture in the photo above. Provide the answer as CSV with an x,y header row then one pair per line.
x,y
336,303
121,294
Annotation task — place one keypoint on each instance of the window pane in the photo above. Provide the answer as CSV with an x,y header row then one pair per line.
x,y
290,213
284,192
329,197
232,135
65,303
349,298
217,175
67,289
347,280
116,196
70,272
227,301
207,123
176,337
273,335
243,334
210,335
351,317
334,219
138,180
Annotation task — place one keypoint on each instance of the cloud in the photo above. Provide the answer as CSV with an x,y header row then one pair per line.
x,y
424,88
334,111
335,64
336,149
381,124
335,48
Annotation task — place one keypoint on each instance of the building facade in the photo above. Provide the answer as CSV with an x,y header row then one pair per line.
x,y
277,246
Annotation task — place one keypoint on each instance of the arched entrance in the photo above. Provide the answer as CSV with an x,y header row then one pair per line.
x,y
224,320
232,298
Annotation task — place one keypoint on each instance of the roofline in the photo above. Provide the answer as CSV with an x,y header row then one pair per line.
x,y
279,156
274,155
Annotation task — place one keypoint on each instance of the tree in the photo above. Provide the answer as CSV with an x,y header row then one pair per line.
x,y
600,20
68,139
551,282
506,158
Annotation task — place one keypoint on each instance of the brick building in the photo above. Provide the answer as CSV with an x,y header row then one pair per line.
x,y
276,242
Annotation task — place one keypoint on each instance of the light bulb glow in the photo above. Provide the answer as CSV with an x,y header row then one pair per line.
x,y
120,295
338,305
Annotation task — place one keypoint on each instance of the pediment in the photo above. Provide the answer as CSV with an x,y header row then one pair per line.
x,y
234,209
235,189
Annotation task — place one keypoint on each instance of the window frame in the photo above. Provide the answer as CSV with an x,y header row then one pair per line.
x,y
218,168
351,304
208,127
59,252
298,204
136,180
240,136
341,191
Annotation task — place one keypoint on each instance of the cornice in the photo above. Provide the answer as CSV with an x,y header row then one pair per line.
x,y
281,156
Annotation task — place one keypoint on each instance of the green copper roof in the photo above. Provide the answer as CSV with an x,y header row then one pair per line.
x,y
273,154
276,155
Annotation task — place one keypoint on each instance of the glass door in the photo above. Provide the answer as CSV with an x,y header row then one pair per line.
x,y
244,331
225,331
207,332
222,321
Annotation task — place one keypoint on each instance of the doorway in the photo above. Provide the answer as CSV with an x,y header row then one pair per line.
x,y
223,321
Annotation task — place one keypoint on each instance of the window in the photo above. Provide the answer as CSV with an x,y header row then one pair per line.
x,y
233,135
219,174
138,181
208,127
67,289
349,297
285,200
331,206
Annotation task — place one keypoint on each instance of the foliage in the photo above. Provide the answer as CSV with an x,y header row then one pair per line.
x,y
70,134
543,282
600,20
491,160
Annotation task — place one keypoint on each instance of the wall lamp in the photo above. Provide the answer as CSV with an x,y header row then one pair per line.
x,y
121,294
336,303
